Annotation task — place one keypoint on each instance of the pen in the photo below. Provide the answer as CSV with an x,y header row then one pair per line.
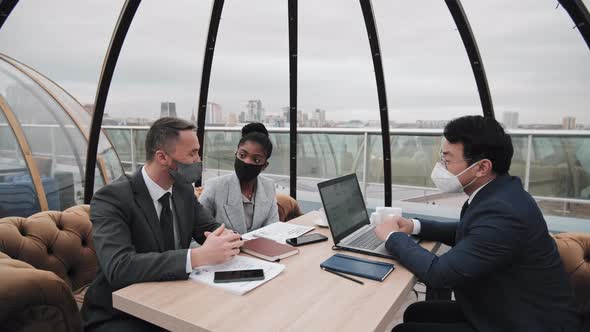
x,y
343,276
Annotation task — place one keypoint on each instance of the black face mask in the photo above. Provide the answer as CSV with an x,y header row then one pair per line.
x,y
247,172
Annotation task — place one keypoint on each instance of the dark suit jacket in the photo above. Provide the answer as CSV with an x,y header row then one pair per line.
x,y
503,266
129,243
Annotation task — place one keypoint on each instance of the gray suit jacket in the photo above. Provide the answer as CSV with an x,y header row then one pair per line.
x,y
129,244
223,197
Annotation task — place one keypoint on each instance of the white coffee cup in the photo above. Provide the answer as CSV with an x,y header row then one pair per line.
x,y
388,211
375,218
323,221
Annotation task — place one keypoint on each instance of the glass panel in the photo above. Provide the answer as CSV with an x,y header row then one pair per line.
x,y
18,196
375,192
549,169
518,164
249,82
336,88
427,71
65,40
560,167
57,145
121,139
537,65
82,118
412,159
278,167
159,63
322,156
220,148
139,137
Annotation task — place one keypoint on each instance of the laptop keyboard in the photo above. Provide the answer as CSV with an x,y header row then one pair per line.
x,y
366,241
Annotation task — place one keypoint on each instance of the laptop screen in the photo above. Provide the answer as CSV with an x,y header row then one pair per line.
x,y
344,205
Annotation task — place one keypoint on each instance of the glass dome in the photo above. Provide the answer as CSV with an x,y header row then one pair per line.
x,y
43,142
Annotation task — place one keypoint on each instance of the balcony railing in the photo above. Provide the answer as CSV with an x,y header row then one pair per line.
x,y
553,164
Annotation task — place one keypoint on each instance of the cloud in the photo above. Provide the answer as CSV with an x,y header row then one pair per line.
x,y
536,63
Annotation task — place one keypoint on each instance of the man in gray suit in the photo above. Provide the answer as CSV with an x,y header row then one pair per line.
x,y
143,225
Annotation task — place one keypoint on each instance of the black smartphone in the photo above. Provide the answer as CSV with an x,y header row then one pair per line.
x,y
238,275
306,239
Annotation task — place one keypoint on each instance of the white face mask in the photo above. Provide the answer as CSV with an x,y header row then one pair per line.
x,y
446,181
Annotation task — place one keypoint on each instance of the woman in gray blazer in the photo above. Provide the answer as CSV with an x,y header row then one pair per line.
x,y
244,200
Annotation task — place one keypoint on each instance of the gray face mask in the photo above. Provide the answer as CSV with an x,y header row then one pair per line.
x,y
186,173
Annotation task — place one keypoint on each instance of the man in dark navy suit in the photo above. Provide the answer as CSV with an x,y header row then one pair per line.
x,y
503,267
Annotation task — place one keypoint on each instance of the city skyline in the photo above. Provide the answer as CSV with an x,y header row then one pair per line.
x,y
254,111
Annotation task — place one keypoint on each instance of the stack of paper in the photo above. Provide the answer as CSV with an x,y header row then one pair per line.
x,y
204,274
278,231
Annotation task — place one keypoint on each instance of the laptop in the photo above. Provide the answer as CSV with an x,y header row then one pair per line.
x,y
348,218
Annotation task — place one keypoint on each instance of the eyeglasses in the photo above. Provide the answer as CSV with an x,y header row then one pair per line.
x,y
445,163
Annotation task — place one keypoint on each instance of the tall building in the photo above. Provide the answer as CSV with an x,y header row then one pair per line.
x,y
167,108
254,110
287,113
568,122
510,120
319,115
232,119
214,114
302,119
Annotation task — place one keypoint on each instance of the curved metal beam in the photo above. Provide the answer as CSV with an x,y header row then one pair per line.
x,y
293,22
27,154
579,14
6,7
479,72
108,68
206,73
369,17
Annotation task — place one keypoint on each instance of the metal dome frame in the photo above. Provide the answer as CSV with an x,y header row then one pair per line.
x,y
575,9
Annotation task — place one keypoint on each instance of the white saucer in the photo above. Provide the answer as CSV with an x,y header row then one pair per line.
x,y
321,223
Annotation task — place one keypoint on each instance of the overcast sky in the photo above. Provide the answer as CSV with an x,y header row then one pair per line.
x,y
536,63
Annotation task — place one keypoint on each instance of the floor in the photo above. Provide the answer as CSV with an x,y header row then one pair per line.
x,y
419,294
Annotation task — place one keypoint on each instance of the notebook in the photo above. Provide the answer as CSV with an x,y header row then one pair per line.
x,y
361,267
268,249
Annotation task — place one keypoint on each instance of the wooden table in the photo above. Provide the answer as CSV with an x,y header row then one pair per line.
x,y
302,298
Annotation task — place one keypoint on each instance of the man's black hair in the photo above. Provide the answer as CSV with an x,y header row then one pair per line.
x,y
163,133
482,138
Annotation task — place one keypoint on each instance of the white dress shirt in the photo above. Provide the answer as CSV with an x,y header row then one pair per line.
x,y
156,193
416,222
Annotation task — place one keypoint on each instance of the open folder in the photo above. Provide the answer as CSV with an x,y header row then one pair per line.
x,y
357,266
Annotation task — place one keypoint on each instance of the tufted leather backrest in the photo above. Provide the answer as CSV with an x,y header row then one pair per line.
x,y
288,207
55,241
574,249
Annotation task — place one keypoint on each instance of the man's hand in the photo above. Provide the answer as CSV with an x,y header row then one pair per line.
x,y
219,247
393,224
225,231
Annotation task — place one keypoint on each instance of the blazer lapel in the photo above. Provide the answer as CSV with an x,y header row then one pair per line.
x,y
144,200
261,205
480,197
234,208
